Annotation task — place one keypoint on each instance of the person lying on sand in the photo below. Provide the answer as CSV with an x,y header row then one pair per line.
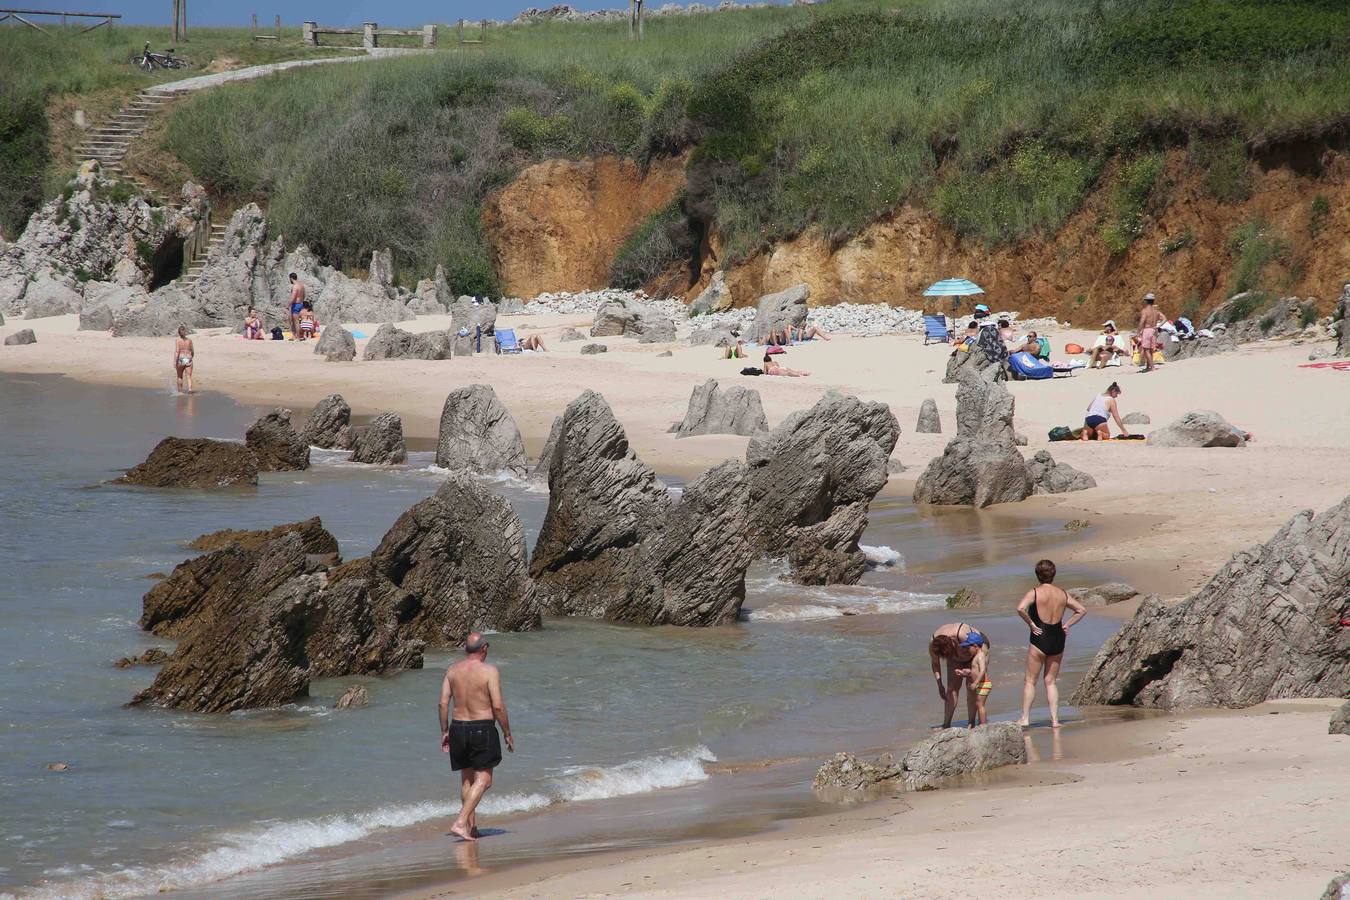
x,y
1043,610
805,332
966,651
1102,408
475,689
533,342
773,368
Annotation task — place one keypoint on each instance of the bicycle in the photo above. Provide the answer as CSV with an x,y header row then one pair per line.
x,y
150,60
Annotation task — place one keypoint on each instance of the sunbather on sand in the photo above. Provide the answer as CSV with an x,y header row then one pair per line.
x,y
533,342
773,368
805,332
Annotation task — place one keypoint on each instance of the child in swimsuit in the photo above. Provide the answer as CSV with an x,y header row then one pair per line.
x,y
306,322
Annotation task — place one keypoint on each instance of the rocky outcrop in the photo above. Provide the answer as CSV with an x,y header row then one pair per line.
x,y
391,342
345,299
355,697
103,301
1343,323
317,541
811,481
1209,345
152,657
276,443
459,559
929,421
965,598
49,295
1249,317
195,463
335,344
381,269
1136,418
1104,594
593,349
235,276
981,465
1266,626
21,338
603,503
929,764
712,410
962,362
1050,477
476,318
1198,428
380,443
716,297
627,316
159,315
780,310
1340,720
326,421
712,337
478,434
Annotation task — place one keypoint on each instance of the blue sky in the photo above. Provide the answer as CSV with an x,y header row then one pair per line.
x,y
328,12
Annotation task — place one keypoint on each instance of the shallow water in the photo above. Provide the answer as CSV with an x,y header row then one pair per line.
x,y
626,735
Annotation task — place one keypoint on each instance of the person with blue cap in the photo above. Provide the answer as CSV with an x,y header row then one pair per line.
x,y
966,651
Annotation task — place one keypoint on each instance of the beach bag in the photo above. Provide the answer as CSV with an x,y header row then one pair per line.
x,y
278,334
1073,348
751,370
1061,433
773,351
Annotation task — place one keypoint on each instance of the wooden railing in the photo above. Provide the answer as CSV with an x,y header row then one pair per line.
x,y
370,34
18,15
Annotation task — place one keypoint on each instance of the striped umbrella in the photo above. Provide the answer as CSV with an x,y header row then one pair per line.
x,y
953,287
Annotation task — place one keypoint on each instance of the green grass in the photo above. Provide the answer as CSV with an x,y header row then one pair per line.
x,y
1255,247
655,245
1128,198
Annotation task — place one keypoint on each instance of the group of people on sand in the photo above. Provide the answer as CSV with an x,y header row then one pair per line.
x,y
1146,342
965,650
774,342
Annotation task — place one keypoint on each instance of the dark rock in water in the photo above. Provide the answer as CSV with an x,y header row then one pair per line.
x,y
1104,594
1265,627
929,421
381,442
780,310
603,502
392,342
1136,418
1076,524
1198,428
811,481
965,598
736,410
19,338
276,443
152,657
1051,477
336,344
355,697
981,465
195,463
330,416
477,433
172,607
929,764
363,631
1340,720
592,349
317,540
460,561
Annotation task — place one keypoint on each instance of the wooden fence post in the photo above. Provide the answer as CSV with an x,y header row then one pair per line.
x,y
308,33
368,38
253,27
278,26
429,36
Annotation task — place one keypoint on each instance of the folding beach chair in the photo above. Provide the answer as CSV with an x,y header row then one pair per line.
x,y
935,328
506,341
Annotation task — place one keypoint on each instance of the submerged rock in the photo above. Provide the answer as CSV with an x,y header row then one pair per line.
x,y
355,697
336,344
1198,428
326,421
965,598
736,410
152,657
1265,627
195,463
276,443
380,443
477,433
1050,477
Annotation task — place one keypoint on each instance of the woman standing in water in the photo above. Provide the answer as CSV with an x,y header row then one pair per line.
x,y
183,355
1043,611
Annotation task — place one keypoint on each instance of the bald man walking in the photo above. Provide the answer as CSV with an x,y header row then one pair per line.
x,y
475,689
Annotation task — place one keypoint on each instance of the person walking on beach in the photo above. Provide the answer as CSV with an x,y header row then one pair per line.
x,y
1150,317
183,355
966,651
1043,610
297,304
475,689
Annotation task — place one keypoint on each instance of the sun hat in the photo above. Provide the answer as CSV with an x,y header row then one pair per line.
x,y
1109,323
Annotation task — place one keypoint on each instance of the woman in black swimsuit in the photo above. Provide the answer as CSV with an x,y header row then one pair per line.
x,y
1043,611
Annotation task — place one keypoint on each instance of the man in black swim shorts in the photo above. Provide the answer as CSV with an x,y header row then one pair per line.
x,y
475,689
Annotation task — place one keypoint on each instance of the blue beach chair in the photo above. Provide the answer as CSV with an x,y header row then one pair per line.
x,y
506,341
935,329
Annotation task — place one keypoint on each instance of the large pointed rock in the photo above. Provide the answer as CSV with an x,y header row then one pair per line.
x,y
1050,477
336,344
1266,626
195,463
780,310
380,443
929,420
737,410
811,481
714,298
391,342
603,502
276,443
478,434
981,466
325,423
459,558
1198,428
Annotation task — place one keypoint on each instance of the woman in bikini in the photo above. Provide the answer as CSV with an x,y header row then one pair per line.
x,y
253,328
966,651
183,355
1043,611
773,368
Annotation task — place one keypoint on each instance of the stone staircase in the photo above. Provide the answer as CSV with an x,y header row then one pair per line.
x,y
109,142
194,267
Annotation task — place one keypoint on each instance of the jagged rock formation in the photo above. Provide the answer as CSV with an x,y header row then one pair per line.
x,y
459,560
21,338
962,362
929,764
716,337
152,657
1104,594
1279,319
1198,428
811,481
1050,477
1343,323
235,276
336,344
329,417
391,342
195,463
381,269
929,420
158,315
380,443
1195,348
478,434
981,465
626,316
345,299
716,297
475,318
592,349
736,410
276,443
1340,720
1136,418
1266,626
105,301
355,697
778,311
316,540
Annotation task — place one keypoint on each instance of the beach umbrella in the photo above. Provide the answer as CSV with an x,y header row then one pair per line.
x,y
953,287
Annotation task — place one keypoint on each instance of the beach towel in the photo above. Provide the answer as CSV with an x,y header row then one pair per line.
x,y
774,351
1030,367
1340,365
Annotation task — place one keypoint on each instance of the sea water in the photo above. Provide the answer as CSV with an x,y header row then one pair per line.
x,y
625,736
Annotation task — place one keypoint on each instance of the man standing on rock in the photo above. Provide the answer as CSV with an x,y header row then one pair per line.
x,y
1149,320
297,304
475,688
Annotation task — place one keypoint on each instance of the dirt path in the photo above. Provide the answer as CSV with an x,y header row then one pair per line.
x,y
200,82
